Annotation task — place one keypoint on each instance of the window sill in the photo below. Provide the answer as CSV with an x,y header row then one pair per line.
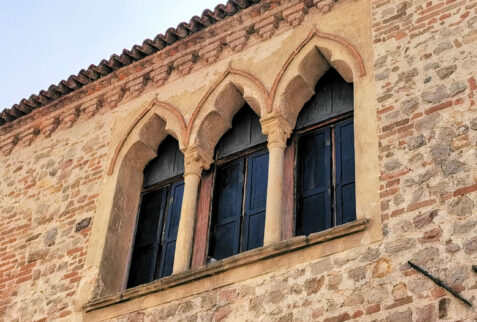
x,y
238,260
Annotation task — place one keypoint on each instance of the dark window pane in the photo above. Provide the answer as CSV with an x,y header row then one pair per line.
x,y
348,201
256,199
167,259
153,255
245,133
315,214
314,152
228,199
229,190
254,230
168,164
345,173
148,237
142,266
333,96
151,217
345,148
171,228
225,240
257,181
174,210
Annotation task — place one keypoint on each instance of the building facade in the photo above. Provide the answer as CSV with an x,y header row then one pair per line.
x,y
270,160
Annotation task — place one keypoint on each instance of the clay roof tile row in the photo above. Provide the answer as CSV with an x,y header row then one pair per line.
x,y
126,58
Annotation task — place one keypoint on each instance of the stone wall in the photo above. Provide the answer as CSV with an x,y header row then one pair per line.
x,y
363,284
425,57
47,206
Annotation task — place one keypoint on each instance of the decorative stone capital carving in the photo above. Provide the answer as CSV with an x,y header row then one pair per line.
x,y
196,160
277,128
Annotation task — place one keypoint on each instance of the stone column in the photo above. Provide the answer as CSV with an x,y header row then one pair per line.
x,y
278,130
195,162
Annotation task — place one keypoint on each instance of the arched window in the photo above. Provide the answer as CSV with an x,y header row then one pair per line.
x,y
240,190
159,214
325,176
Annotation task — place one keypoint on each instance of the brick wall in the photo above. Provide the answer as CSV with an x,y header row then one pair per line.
x,y
425,78
48,197
426,53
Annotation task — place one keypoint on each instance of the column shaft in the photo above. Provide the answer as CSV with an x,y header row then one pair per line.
x,y
195,162
274,213
185,234
278,130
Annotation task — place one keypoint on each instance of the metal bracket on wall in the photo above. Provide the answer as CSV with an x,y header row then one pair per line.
x,y
441,283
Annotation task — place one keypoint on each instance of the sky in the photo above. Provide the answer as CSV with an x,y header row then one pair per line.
x,y
45,41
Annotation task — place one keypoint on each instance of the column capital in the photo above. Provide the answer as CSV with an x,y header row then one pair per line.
x,y
196,160
277,129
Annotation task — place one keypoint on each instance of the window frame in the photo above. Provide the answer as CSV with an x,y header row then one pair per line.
x,y
222,162
159,265
162,219
296,171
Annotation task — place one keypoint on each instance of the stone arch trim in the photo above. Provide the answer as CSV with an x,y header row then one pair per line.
x,y
120,197
315,33
186,127
230,71
155,104
357,57
233,87
353,63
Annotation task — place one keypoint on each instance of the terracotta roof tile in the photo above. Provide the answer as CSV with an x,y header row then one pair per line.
x,y
126,58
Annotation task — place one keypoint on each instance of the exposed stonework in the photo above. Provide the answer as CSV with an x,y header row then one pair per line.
x,y
72,170
43,241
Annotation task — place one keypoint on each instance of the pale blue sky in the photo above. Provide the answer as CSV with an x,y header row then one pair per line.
x,y
45,41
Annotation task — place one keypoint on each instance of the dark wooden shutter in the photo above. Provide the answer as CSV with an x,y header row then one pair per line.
x,y
148,237
168,164
314,153
170,231
333,96
345,177
225,237
245,133
255,200
156,232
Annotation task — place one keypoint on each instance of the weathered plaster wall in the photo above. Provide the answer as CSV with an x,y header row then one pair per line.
x,y
420,92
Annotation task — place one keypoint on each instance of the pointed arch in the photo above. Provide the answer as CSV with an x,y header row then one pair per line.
x,y
213,114
295,82
174,124
136,147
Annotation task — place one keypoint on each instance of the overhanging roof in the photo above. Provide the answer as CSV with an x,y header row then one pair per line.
x,y
127,57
